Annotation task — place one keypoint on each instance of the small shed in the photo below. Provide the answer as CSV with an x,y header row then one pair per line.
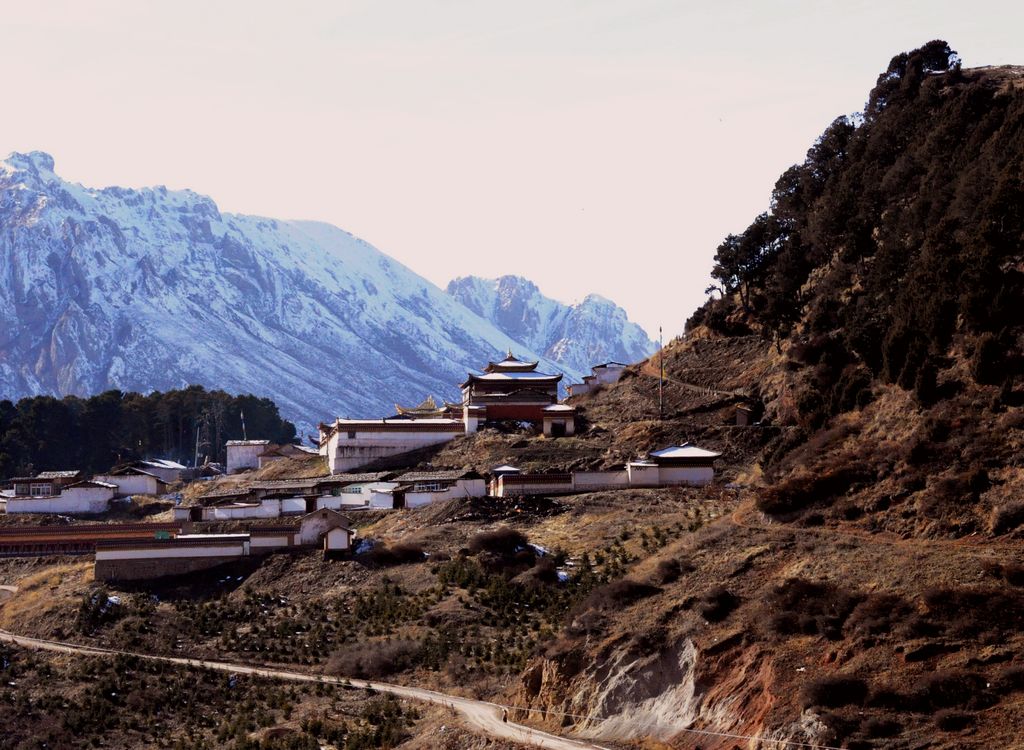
x,y
559,420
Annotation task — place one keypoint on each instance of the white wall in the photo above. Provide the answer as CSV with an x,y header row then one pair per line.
x,y
644,476
337,539
76,500
382,500
220,549
267,508
293,505
130,484
243,457
594,480
695,475
345,453
266,541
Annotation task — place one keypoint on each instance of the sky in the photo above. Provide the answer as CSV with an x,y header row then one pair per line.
x,y
591,146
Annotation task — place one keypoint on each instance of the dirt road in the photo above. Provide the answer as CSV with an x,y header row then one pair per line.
x,y
481,715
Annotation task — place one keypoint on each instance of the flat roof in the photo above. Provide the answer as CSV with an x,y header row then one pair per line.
x,y
248,442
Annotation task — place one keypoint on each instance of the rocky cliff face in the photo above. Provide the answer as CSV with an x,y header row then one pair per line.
x,y
155,289
576,336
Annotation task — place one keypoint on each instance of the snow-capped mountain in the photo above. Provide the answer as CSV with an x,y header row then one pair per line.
x,y
575,336
156,289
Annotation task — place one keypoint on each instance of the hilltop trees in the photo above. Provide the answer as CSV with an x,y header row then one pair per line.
x,y
900,231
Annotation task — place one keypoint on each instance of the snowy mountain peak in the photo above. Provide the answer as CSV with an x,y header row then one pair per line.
x,y
34,162
576,336
156,289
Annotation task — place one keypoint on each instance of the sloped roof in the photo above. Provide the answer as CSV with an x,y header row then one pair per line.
x,y
161,463
248,442
71,474
683,451
447,475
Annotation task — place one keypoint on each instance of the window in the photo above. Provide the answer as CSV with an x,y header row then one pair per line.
x,y
40,490
351,435
429,487
354,489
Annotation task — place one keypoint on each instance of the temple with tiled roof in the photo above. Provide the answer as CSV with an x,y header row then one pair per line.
x,y
513,390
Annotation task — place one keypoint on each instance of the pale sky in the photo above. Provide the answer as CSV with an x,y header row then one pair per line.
x,y
590,146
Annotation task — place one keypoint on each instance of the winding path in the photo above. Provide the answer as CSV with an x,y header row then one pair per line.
x,y
484,716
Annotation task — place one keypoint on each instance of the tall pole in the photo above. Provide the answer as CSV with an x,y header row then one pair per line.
x,y
244,436
661,376
195,460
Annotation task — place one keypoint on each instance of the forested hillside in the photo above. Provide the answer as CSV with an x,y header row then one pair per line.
x,y
92,434
896,239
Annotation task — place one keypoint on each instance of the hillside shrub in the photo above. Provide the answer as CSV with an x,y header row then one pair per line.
x,y
374,659
384,555
670,570
952,720
619,593
1007,517
798,606
985,613
834,692
950,689
878,614
502,541
877,728
716,604
1010,680
804,490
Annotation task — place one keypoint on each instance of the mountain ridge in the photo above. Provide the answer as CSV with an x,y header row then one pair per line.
x,y
149,289
576,336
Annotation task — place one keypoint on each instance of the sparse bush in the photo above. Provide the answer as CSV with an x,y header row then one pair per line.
x,y
801,606
619,594
374,659
878,614
804,490
1007,517
717,604
383,555
1010,680
670,570
976,612
503,541
951,720
833,692
949,689
877,728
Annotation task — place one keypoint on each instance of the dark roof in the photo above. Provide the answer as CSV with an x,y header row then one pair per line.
x,y
284,484
226,492
369,476
437,476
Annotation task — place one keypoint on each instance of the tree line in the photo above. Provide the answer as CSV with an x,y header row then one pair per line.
x,y
93,434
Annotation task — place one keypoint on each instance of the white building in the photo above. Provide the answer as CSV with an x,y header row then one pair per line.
x,y
132,481
166,470
677,465
80,497
133,559
603,374
419,488
244,454
350,443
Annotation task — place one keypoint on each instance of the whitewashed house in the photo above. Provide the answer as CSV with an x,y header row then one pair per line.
x,y
603,374
166,470
350,443
415,489
132,481
244,454
684,464
85,497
